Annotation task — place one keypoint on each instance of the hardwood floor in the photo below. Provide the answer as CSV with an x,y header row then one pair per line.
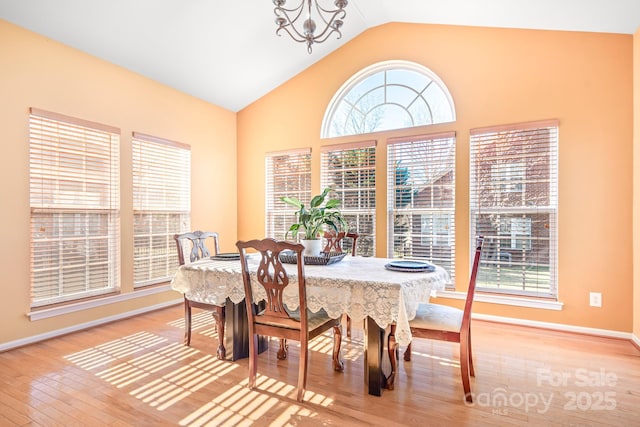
x,y
136,372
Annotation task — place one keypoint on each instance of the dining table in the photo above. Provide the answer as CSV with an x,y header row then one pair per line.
x,y
364,288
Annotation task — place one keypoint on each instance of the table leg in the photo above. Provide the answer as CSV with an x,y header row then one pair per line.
x,y
219,315
373,349
236,338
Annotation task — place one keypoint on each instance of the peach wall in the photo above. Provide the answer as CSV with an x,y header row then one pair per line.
x,y
38,72
496,76
636,185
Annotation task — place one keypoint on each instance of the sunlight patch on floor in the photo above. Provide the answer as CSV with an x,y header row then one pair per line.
x,y
135,369
199,319
240,405
441,360
106,353
115,363
182,382
161,373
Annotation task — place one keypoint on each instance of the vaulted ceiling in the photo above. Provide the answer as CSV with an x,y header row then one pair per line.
x,y
227,53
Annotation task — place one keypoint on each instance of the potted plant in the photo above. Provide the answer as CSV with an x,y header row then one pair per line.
x,y
313,220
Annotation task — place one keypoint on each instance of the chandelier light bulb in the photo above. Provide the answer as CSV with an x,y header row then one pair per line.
x,y
309,27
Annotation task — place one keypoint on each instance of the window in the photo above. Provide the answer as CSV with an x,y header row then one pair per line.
x,y
514,204
288,173
421,198
388,95
161,206
74,201
350,170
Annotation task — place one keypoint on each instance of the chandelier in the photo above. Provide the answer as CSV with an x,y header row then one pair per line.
x,y
287,20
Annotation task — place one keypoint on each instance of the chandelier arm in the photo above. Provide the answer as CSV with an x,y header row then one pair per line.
x,y
330,28
322,12
295,35
287,21
317,39
278,10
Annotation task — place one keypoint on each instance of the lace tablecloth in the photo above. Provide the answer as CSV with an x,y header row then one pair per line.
x,y
357,286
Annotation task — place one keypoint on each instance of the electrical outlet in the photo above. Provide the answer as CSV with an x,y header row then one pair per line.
x,y
595,299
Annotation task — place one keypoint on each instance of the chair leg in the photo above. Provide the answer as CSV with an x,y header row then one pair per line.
x,y
187,322
282,352
338,365
464,367
472,372
219,316
348,326
407,353
253,359
392,348
302,369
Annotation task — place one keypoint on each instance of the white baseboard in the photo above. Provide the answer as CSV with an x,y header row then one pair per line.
x,y
557,326
41,337
635,340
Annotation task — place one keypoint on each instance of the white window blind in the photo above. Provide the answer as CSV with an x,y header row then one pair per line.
x,y
350,171
288,173
421,198
514,204
74,200
161,205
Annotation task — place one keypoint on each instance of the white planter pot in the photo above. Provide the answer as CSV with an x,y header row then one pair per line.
x,y
312,247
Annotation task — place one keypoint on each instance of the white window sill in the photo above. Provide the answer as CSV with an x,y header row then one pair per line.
x,y
98,302
505,300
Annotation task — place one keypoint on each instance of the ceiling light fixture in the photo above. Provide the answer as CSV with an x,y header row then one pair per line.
x,y
287,20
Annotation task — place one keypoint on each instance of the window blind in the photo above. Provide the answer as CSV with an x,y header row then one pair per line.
x,y
161,205
514,204
288,173
421,198
350,171
74,201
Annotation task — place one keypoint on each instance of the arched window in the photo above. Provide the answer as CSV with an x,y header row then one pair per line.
x,y
388,95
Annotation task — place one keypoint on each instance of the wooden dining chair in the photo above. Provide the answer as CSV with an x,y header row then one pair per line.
x,y
273,318
334,244
444,323
194,246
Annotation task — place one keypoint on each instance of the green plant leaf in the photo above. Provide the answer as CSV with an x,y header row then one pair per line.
x,y
333,203
292,201
317,201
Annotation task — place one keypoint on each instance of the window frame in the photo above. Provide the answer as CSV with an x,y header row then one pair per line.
x,y
533,247
300,187
366,245
440,256
74,198
419,100
161,187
